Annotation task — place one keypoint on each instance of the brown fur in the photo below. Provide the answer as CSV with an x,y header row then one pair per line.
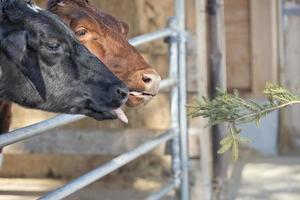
x,y
5,117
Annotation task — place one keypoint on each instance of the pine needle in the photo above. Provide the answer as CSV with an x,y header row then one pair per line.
x,y
233,110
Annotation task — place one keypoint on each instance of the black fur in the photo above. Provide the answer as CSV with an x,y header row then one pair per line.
x,y
43,66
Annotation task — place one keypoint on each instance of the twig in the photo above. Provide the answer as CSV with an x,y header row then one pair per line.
x,y
231,109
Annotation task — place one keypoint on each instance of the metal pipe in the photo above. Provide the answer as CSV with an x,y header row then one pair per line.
x,y
37,129
165,190
139,40
173,73
290,9
167,83
107,168
180,13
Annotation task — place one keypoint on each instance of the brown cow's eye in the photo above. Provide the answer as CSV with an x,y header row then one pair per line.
x,y
81,32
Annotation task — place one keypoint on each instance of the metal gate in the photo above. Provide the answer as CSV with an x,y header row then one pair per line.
x,y
177,134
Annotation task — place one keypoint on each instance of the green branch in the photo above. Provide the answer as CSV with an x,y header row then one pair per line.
x,y
267,110
233,110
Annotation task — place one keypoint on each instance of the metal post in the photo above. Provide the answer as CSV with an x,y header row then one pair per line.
x,y
173,73
180,14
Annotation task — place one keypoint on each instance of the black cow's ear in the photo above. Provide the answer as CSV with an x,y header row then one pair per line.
x,y
14,45
1,13
15,48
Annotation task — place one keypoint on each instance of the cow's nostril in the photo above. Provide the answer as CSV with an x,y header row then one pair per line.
x,y
147,79
151,82
122,93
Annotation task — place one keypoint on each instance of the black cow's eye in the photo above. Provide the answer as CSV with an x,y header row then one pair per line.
x,y
53,46
81,32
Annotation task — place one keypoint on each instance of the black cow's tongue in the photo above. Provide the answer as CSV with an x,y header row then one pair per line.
x,y
121,115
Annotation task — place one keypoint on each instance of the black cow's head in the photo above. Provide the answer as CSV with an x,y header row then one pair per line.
x,y
43,66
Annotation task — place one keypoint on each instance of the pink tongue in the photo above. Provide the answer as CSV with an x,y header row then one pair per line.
x,y
121,115
133,93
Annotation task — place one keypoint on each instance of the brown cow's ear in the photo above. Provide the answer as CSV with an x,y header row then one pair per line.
x,y
66,19
124,28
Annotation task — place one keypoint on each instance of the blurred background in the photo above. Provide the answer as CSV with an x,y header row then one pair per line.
x,y
259,42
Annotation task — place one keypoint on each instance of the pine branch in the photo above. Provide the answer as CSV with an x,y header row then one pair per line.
x,y
233,110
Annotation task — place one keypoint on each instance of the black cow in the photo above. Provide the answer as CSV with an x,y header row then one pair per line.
x,y
43,66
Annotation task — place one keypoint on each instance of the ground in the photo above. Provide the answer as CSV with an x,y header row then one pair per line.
x,y
31,189
266,178
257,178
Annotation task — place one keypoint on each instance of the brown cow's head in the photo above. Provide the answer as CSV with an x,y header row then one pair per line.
x,y
106,37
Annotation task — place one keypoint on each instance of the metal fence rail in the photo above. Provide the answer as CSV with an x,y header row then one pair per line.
x,y
107,168
290,9
60,120
177,134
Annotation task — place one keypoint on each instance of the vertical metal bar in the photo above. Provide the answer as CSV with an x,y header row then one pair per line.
x,y
173,73
180,14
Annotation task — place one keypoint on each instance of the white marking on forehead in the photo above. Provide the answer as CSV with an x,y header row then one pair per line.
x,y
34,7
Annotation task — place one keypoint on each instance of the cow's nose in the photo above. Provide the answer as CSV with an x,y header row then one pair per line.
x,y
151,81
122,92
119,94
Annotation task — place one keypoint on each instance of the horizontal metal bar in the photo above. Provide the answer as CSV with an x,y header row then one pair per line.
x,y
36,129
167,83
83,142
107,168
149,37
291,10
165,190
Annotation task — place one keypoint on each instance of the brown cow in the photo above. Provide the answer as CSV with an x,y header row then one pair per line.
x,y
106,37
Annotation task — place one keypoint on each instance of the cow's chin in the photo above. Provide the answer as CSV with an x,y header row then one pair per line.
x,y
113,114
140,100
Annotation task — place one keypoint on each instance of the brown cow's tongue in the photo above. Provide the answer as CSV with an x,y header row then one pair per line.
x,y
134,93
121,115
